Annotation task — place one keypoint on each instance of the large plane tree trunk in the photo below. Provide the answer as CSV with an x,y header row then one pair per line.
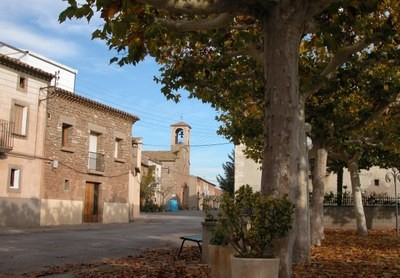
x,y
284,149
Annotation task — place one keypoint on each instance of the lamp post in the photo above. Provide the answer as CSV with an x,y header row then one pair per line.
x,y
345,195
308,145
395,175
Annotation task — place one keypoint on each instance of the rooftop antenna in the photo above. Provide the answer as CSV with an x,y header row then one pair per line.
x,y
56,78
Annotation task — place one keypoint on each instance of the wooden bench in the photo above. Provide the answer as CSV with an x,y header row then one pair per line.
x,y
194,238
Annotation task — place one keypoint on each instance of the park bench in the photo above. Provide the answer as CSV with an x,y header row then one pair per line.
x,y
193,238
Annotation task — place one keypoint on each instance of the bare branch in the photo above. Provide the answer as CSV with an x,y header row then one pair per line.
x,y
253,51
200,7
337,156
184,25
311,27
379,110
316,7
342,56
314,88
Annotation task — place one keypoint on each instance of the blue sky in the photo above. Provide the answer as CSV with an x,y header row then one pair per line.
x,y
33,25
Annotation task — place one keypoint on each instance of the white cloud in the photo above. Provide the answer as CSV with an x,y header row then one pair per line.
x,y
54,48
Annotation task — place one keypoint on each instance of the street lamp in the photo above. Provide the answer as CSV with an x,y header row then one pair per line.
x,y
395,175
308,145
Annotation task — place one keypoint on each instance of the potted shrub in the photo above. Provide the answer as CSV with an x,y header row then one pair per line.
x,y
253,223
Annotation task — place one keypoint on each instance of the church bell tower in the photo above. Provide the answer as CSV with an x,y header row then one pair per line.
x,y
180,135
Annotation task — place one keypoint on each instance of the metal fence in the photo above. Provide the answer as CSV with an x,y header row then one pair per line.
x,y
368,200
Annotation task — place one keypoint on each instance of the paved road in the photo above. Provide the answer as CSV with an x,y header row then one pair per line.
x,y
26,250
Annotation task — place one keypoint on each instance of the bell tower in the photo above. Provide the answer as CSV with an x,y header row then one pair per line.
x,y
180,135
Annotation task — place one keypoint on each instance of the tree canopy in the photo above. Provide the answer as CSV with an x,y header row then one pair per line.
x,y
246,57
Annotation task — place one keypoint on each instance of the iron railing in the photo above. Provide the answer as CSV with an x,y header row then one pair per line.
x,y
368,200
96,162
6,137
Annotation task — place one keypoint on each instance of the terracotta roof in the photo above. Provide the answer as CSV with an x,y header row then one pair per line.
x,y
160,155
181,124
206,181
94,104
25,68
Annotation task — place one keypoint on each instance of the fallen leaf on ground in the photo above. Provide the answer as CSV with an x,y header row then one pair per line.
x,y
342,254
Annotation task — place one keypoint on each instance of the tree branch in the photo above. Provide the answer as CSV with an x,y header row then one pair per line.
x,y
184,25
379,110
316,7
199,7
337,156
339,58
250,50
342,56
253,51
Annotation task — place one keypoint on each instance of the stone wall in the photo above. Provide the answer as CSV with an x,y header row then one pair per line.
x,y
343,217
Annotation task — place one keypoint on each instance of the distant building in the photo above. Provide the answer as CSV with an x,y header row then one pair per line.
x,y
206,193
372,181
176,181
65,76
159,195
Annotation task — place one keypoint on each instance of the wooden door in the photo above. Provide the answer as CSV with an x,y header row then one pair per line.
x,y
91,206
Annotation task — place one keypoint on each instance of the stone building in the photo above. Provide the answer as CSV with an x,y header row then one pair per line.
x,y
89,177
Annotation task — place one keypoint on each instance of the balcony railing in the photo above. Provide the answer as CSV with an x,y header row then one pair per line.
x,y
96,162
6,137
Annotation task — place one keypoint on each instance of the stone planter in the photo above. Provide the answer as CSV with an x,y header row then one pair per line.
x,y
254,267
207,226
219,257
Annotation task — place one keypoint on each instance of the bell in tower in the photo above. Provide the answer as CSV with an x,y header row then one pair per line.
x,y
180,134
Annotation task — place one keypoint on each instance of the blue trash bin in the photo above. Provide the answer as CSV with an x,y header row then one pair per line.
x,y
173,205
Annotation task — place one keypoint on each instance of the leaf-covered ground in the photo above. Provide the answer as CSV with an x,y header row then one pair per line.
x,y
343,254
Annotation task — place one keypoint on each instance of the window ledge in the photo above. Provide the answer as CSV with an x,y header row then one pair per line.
x,y
21,136
120,160
68,149
94,172
14,190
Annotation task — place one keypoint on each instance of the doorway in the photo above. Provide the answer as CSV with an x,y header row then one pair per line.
x,y
91,205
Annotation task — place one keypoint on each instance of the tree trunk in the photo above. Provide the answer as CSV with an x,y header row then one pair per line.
x,y
317,201
357,197
284,152
301,248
